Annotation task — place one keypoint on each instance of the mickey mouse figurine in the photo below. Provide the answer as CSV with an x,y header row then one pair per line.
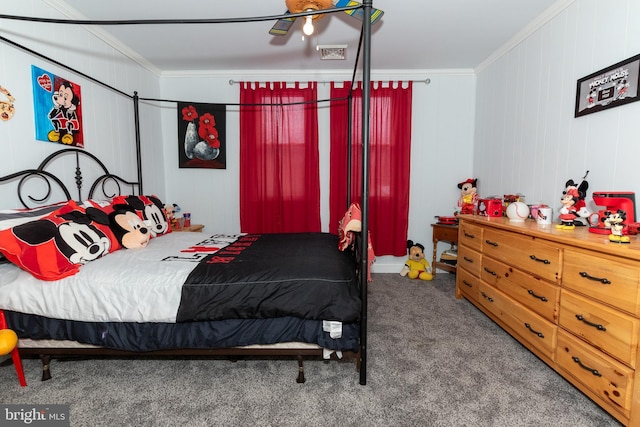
x,y
615,221
468,196
573,207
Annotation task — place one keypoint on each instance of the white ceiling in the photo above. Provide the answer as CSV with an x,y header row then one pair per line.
x,y
412,34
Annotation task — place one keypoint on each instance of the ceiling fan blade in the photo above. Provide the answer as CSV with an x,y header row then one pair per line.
x,y
282,26
376,14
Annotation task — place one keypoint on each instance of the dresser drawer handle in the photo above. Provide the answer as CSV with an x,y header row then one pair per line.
x,y
493,273
485,296
471,236
593,371
539,334
491,243
596,279
468,259
535,258
533,294
467,283
595,325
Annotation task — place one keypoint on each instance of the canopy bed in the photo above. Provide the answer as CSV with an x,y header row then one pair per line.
x,y
231,297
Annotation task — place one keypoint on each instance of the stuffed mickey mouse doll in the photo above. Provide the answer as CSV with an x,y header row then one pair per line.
x,y
468,196
416,267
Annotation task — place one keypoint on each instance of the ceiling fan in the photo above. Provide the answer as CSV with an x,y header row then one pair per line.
x,y
282,26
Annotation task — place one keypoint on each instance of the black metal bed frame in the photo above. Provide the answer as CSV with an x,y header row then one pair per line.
x,y
49,179
363,264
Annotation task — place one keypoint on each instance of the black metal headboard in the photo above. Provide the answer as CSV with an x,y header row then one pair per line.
x,y
103,183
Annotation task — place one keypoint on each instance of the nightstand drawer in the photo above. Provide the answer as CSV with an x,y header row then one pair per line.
x,y
607,329
604,278
194,228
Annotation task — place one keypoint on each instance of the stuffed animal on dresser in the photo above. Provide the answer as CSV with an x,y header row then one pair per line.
x,y
468,196
416,267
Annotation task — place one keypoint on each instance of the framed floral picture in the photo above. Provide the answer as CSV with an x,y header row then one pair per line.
x,y
202,135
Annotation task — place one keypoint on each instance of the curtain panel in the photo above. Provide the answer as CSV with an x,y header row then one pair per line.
x,y
279,160
390,149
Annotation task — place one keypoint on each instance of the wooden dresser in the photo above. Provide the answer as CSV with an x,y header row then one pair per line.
x,y
571,297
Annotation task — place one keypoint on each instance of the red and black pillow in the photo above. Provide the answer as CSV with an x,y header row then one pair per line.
x,y
56,245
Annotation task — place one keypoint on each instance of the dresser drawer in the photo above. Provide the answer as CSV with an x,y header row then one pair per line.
x,y
532,292
526,252
470,235
467,283
469,259
534,329
603,277
607,329
602,375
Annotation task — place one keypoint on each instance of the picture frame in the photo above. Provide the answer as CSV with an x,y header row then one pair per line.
x,y
202,135
610,87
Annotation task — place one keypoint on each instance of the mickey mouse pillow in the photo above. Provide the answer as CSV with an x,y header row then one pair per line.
x,y
57,245
150,209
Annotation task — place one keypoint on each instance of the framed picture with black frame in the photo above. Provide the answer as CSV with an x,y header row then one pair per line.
x,y
202,135
610,87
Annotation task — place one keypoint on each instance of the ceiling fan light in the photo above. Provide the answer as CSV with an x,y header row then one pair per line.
x,y
307,28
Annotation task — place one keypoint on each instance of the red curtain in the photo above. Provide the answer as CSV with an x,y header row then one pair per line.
x,y
390,147
279,161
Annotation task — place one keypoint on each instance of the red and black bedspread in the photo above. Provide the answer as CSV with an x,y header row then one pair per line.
x,y
274,275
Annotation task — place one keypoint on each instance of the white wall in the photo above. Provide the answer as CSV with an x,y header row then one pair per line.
x,y
108,118
442,123
442,148
527,139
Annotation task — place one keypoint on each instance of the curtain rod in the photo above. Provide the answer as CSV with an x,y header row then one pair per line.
x,y
425,81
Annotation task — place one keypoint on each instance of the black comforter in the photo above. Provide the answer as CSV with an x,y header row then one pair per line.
x,y
274,275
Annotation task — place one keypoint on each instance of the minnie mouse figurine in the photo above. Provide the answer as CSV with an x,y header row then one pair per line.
x,y
573,207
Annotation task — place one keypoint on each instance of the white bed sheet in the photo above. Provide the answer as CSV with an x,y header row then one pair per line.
x,y
128,285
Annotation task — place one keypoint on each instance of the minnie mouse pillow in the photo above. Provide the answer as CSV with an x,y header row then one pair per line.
x,y
57,245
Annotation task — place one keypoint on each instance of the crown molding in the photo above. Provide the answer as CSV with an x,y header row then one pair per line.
x,y
535,25
71,13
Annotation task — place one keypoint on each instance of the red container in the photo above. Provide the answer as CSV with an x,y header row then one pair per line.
x,y
490,207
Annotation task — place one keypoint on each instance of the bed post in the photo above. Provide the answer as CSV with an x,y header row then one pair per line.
x,y
364,262
136,118
349,146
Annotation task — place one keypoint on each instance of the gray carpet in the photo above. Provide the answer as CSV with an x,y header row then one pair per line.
x,y
433,361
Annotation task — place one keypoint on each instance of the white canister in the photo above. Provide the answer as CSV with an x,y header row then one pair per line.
x,y
517,211
544,216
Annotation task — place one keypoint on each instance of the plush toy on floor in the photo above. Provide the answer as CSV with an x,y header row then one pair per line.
x,y
416,267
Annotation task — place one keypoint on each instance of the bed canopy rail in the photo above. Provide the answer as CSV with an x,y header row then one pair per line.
x,y
45,182
365,45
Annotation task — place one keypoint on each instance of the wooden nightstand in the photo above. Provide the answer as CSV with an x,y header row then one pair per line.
x,y
195,228
443,233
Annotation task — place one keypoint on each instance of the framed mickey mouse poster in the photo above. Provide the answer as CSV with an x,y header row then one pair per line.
x,y
610,87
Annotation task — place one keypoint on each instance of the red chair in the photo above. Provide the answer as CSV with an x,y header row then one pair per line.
x,y
9,344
